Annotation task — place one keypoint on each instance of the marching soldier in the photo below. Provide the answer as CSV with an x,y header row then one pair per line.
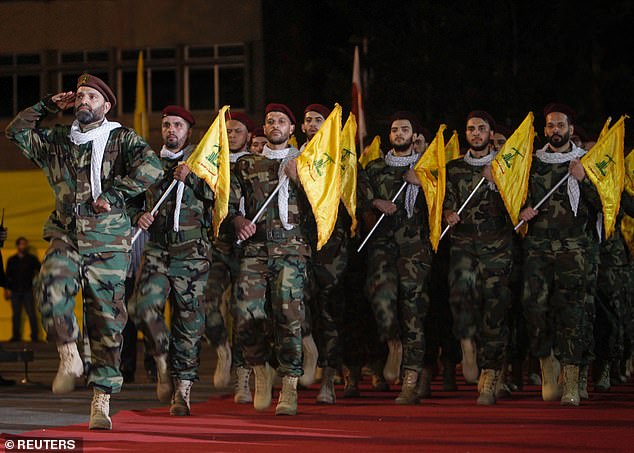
x,y
481,257
399,256
93,167
271,279
555,254
175,264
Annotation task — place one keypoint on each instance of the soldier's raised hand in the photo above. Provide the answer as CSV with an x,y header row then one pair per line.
x,y
146,220
64,100
181,172
244,228
487,173
527,214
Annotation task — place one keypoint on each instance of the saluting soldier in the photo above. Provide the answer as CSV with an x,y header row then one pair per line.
x,y
93,167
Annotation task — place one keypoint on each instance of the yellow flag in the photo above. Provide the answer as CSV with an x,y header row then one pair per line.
x,y
210,161
371,152
292,141
452,149
627,224
349,169
605,129
141,122
430,170
629,172
319,170
512,165
605,166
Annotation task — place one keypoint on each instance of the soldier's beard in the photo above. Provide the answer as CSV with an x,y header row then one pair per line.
x,y
277,140
480,147
86,117
399,147
558,140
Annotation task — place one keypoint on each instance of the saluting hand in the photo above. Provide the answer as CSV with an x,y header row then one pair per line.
x,y
244,228
64,100
146,220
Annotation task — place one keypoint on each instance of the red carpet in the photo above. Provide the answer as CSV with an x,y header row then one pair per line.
x,y
449,422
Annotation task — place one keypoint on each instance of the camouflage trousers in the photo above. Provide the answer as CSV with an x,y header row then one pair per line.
x,y
180,272
329,266
397,287
480,294
219,293
589,313
269,311
101,277
610,325
554,296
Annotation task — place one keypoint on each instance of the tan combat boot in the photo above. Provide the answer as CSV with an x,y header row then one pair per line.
x,y
222,374
409,391
392,369
180,400
100,410
423,390
351,378
583,382
470,369
551,389
242,393
602,381
486,386
571,386
164,385
287,402
70,367
263,386
327,391
310,360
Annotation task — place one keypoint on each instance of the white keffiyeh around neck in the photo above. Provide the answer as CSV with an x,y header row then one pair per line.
x,y
233,157
412,190
481,162
180,187
574,193
99,137
285,155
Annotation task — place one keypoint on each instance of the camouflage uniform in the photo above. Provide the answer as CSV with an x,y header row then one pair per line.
x,y
87,250
269,302
555,255
225,263
176,263
399,263
329,266
480,263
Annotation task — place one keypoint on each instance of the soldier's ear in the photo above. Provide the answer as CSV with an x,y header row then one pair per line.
x,y
106,107
292,128
572,130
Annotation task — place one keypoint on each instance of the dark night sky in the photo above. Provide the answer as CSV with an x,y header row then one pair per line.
x,y
443,59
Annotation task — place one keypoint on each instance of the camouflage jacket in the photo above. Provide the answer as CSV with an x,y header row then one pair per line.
x,y
254,178
614,250
129,168
226,234
381,181
485,216
555,219
195,212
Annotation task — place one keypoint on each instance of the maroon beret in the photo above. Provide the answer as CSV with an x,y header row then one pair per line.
x,y
282,109
241,117
88,80
258,132
417,127
483,115
177,110
561,108
321,109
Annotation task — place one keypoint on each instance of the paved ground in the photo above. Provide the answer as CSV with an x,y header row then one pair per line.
x,y
32,405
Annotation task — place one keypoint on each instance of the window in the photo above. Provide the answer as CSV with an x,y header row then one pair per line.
x,y
201,89
231,86
162,86
6,96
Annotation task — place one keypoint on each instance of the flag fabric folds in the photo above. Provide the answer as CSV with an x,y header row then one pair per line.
x,y
371,152
605,167
349,170
511,168
210,161
141,121
452,148
430,170
627,223
319,170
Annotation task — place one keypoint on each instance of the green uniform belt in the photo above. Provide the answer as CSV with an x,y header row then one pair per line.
x,y
84,209
262,234
557,233
490,226
174,237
